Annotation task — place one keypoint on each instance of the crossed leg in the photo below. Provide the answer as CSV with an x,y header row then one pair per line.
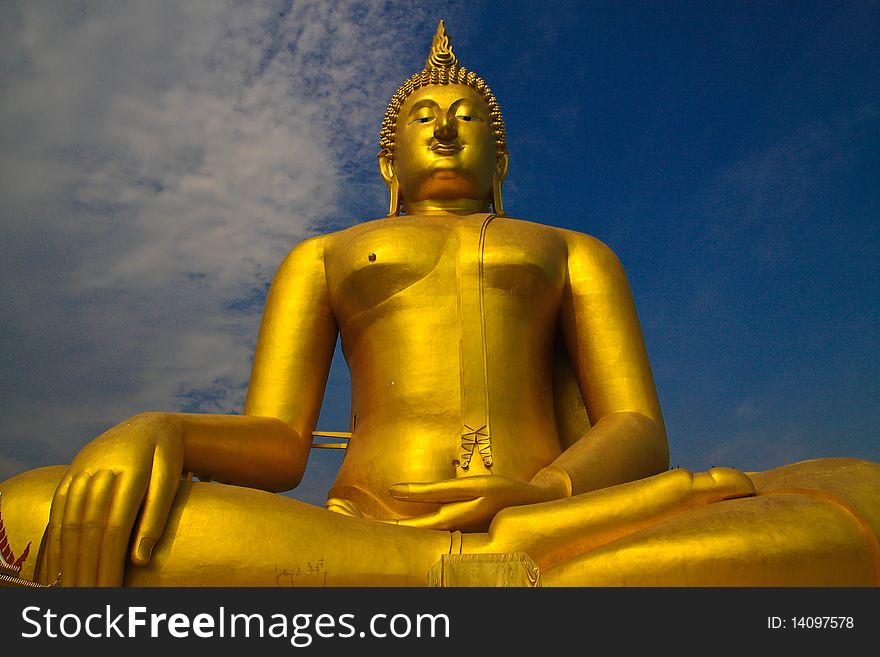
x,y
811,524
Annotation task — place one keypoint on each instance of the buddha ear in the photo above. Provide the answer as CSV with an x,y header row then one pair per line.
x,y
386,168
497,182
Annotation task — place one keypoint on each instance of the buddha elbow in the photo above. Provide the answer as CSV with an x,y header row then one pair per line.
x,y
659,448
287,472
287,481
654,443
273,480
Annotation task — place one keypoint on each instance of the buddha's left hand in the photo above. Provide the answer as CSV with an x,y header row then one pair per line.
x,y
470,503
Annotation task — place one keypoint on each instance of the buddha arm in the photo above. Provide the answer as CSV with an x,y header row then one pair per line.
x,y
258,452
627,440
296,342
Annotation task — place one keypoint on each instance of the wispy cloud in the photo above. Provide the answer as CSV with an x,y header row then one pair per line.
x,y
769,270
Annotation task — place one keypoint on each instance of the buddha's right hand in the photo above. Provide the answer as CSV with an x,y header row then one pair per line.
x,y
136,464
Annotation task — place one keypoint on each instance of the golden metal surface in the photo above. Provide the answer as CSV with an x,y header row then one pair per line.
x,y
502,404
496,570
344,436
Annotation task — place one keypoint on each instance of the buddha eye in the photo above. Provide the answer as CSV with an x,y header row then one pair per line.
x,y
422,119
467,117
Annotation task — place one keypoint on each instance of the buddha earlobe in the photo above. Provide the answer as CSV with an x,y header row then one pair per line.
x,y
497,205
497,183
394,201
386,168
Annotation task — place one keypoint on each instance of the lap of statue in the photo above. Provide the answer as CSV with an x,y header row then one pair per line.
x,y
812,523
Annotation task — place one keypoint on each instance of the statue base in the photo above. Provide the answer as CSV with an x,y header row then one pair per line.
x,y
485,570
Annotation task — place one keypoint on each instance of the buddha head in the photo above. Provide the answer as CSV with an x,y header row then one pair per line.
x,y
443,137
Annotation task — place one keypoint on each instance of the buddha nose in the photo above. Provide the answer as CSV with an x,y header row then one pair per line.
x,y
445,128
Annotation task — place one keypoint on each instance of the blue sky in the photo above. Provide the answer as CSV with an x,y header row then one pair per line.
x,y
159,159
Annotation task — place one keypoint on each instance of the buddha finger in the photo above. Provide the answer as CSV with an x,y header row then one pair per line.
x,y
450,490
722,484
50,564
161,490
94,516
71,526
343,507
450,517
124,505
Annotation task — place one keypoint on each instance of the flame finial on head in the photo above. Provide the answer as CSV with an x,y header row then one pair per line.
x,y
441,55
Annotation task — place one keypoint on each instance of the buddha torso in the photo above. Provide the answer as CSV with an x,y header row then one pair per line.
x,y
448,327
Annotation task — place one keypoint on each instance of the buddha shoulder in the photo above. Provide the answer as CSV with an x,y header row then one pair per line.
x,y
589,257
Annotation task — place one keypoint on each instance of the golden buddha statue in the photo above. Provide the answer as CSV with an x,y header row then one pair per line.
x,y
503,409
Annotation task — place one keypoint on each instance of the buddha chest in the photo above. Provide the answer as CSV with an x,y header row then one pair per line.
x,y
444,261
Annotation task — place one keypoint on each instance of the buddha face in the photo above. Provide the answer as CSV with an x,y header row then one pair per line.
x,y
444,146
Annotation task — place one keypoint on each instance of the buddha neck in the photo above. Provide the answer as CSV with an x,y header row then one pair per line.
x,y
460,206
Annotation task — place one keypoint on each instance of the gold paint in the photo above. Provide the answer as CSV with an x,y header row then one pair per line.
x,y
473,356
441,55
451,321
498,570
